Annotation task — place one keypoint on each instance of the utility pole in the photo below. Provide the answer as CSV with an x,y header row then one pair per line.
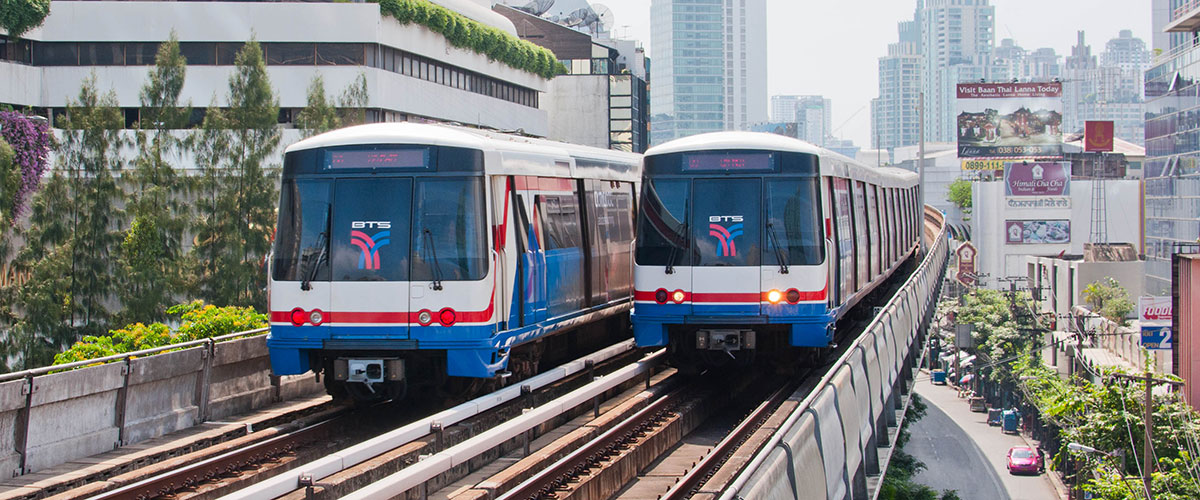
x,y
1147,422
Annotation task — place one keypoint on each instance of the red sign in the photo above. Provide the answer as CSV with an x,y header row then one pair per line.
x,y
966,263
1098,136
1154,309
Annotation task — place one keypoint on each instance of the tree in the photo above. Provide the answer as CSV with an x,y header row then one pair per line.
x,y
959,193
150,257
319,114
1108,299
71,241
352,106
237,235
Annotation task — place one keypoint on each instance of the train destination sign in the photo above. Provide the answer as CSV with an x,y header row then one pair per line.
x,y
727,162
378,158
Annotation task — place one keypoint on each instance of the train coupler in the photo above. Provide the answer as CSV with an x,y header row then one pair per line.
x,y
725,340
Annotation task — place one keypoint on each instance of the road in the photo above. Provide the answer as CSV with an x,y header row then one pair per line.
x,y
961,452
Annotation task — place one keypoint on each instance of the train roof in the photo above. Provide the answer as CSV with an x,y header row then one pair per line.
x,y
831,163
625,166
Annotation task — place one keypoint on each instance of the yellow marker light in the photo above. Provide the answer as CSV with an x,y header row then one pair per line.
x,y
774,296
677,296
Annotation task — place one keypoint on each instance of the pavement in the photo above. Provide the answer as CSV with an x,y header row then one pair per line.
x,y
962,452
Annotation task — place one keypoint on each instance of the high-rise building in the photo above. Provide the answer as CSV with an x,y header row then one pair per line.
x,y
894,119
953,33
709,64
813,115
1107,88
1172,167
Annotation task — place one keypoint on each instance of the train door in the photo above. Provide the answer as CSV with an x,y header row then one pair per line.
x,y
531,256
369,257
726,233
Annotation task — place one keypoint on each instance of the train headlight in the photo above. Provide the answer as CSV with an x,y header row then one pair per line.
x,y
660,296
424,318
446,317
774,296
316,316
793,296
298,316
677,296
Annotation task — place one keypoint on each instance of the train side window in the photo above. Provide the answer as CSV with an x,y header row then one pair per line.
x,y
844,236
560,221
861,241
876,231
796,225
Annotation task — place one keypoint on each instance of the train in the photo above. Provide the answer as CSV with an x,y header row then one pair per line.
x,y
754,244
415,256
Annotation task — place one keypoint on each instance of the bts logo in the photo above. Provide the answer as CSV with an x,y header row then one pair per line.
x,y
371,224
725,235
370,245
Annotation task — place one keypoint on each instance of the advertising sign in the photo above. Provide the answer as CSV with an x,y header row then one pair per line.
x,y
1156,337
1154,309
1009,119
1019,232
1037,179
1097,136
966,264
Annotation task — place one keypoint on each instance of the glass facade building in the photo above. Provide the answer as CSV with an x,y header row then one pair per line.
x,y
1172,168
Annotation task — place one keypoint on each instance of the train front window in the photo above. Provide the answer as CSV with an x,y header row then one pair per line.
x,y
793,215
727,222
449,241
304,213
662,229
369,235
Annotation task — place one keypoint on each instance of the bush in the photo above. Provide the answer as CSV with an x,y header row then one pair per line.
x,y
1109,299
464,32
200,321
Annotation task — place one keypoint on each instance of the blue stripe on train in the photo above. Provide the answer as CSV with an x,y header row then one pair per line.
x,y
811,324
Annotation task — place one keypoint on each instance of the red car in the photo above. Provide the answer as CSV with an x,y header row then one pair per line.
x,y
1023,459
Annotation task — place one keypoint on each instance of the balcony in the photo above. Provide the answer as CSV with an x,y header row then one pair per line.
x,y
1186,18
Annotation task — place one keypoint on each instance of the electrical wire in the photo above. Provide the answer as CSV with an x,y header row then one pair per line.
x,y
1133,445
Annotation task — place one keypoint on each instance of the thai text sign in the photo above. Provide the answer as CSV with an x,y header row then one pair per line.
x,y
1040,202
1009,119
1017,232
1156,337
1037,179
1153,309
966,263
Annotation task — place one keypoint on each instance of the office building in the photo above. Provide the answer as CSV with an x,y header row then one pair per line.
x,y
894,119
953,33
412,72
709,64
813,115
1108,87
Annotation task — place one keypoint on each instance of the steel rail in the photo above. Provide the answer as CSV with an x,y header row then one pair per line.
x,y
703,470
315,471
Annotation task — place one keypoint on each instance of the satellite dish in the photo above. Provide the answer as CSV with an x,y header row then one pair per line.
x,y
606,18
581,17
535,7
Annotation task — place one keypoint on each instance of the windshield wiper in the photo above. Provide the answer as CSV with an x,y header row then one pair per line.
x,y
437,269
674,251
323,242
774,241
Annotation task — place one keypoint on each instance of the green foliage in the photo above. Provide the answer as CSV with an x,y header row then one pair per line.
x,y
200,321
352,105
959,193
10,181
1109,299
19,16
466,33
151,258
236,220
319,115
996,331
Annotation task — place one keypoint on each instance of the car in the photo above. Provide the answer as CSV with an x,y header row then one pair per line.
x,y
1025,459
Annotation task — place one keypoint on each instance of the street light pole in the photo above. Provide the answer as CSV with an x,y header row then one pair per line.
x,y
921,166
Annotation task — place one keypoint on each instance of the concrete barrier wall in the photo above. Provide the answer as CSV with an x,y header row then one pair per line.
x,y
838,436
50,418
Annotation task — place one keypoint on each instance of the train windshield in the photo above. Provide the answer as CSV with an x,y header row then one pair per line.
x,y
381,229
729,222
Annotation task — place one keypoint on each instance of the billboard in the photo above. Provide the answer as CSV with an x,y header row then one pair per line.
x,y
1037,179
1097,136
983,164
1032,232
966,263
1009,119
1152,309
1157,337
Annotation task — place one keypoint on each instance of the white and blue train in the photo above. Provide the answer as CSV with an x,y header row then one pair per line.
x,y
753,242
418,253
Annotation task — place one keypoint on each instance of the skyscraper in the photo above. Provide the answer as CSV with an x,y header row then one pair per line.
x,y
709,69
953,33
813,115
1110,89
894,119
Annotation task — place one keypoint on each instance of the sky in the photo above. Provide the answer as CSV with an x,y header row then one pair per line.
x,y
832,47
